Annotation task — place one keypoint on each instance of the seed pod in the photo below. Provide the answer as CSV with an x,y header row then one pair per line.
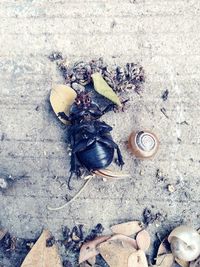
x,y
185,243
143,144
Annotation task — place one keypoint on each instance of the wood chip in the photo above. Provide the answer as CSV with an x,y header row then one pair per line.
x,y
143,240
42,256
128,228
137,259
88,249
61,99
165,260
114,253
104,89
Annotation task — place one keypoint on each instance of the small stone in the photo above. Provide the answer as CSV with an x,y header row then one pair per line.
x,y
171,188
3,183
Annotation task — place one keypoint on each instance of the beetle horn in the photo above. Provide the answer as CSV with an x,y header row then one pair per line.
x,y
109,174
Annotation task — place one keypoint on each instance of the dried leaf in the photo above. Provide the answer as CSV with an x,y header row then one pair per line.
x,y
3,232
163,248
129,228
126,241
61,99
137,259
88,249
42,256
107,173
165,260
104,89
143,240
114,253
89,263
182,263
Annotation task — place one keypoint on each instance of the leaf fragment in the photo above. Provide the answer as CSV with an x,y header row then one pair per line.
x,y
88,249
104,89
137,259
61,99
182,263
42,256
128,228
143,240
126,241
165,260
114,253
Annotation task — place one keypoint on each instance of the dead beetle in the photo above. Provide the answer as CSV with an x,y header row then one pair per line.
x,y
91,142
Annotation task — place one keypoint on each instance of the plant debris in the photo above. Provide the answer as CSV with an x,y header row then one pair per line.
x,y
163,110
120,79
150,217
165,95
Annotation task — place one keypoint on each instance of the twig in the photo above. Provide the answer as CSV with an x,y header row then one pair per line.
x,y
74,197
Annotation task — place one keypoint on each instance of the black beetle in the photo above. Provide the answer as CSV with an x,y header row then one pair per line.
x,y
91,142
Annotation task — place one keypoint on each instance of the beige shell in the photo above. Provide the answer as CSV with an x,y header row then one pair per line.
x,y
143,240
185,243
128,228
61,98
137,151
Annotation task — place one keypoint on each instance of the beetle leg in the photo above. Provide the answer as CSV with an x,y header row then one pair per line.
x,y
111,143
63,116
110,107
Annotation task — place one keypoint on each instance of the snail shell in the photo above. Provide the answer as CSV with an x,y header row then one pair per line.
x,y
185,243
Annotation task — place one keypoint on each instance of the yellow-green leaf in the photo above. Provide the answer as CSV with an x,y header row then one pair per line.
x,y
104,89
61,99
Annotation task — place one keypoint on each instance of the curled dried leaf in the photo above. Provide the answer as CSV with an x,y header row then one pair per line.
x,y
126,241
128,228
143,240
137,259
88,249
61,99
114,253
104,89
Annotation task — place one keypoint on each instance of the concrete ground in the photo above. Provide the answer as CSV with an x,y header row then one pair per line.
x,y
164,37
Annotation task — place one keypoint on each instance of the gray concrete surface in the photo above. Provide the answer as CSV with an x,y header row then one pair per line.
x,y
164,37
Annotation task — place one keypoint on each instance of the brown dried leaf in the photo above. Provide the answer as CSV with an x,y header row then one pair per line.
x,y
137,259
88,249
89,263
128,228
126,241
182,263
163,248
61,99
42,256
104,89
165,260
114,253
143,240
